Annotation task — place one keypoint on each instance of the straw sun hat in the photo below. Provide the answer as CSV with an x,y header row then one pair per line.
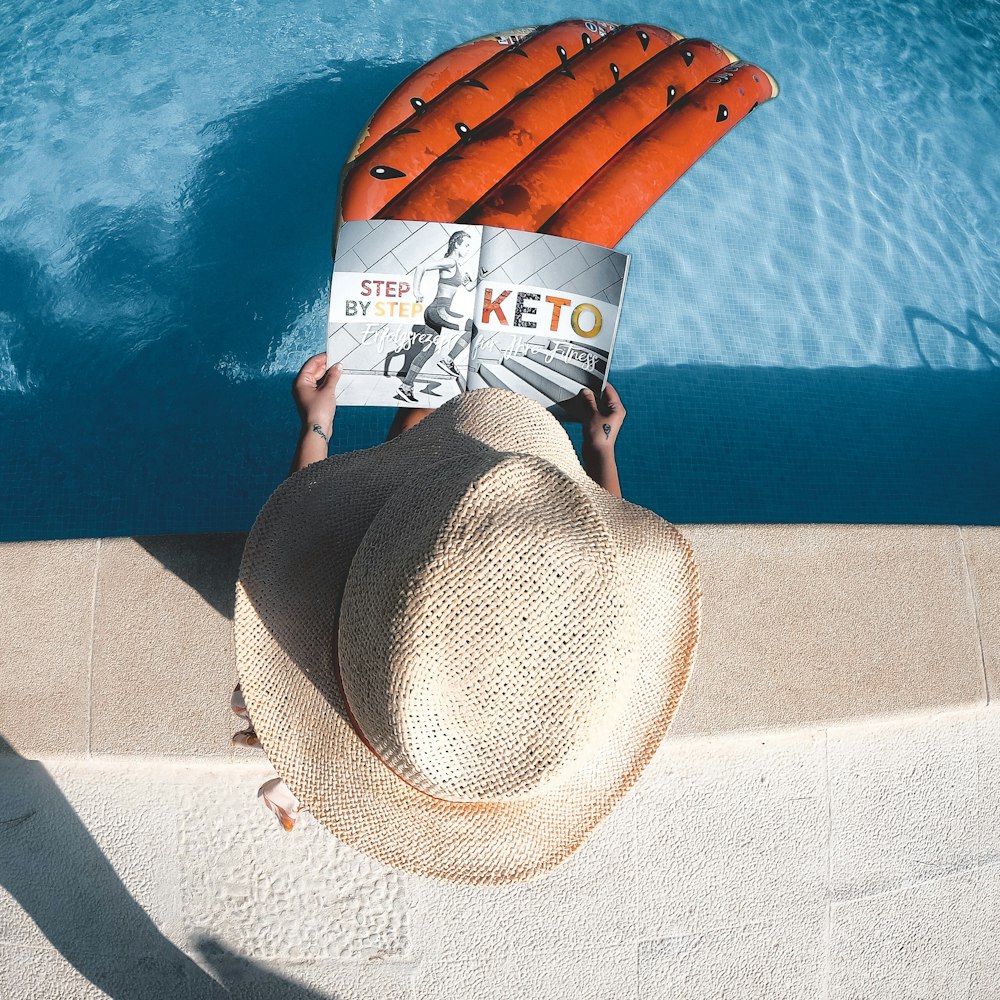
x,y
459,651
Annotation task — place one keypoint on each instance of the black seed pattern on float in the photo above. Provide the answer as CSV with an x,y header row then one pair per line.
x,y
417,103
475,83
585,38
384,173
643,39
671,94
615,71
688,56
463,130
723,113
563,58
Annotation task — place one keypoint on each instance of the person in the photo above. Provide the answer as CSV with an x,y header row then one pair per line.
x,y
438,316
460,647
314,391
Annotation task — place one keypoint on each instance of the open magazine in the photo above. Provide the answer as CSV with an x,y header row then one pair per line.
x,y
421,311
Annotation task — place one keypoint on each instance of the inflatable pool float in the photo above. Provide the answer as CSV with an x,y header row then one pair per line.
x,y
574,129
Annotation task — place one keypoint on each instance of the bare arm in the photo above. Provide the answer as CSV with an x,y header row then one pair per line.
x,y
602,420
418,276
600,465
315,393
313,446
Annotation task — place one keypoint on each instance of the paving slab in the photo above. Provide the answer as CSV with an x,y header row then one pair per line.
x,y
323,980
730,832
591,899
913,943
74,834
41,973
988,784
759,960
812,624
803,625
982,549
47,593
905,802
986,935
729,870
249,888
164,662
593,972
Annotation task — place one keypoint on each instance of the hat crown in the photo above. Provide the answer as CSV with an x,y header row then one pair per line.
x,y
484,637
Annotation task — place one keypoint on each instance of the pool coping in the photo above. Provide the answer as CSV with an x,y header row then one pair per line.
x,y
123,646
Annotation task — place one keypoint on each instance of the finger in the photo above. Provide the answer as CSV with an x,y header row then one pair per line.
x,y
589,401
611,398
332,378
314,366
316,361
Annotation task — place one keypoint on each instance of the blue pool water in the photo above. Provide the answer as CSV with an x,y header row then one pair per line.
x,y
812,325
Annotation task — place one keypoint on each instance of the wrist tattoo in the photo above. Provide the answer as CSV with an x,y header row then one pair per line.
x,y
607,430
319,430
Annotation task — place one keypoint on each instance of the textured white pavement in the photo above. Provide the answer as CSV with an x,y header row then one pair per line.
x,y
847,863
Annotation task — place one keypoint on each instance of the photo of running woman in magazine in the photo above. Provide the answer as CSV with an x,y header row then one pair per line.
x,y
438,316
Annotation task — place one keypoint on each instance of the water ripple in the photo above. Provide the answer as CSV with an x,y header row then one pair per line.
x,y
168,178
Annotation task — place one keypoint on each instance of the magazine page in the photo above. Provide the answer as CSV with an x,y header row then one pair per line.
x,y
400,317
546,315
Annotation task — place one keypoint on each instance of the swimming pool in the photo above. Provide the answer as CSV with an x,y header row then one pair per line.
x,y
812,324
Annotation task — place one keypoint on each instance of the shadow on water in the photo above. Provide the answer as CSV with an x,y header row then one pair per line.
x,y
839,445
155,435
51,865
709,444
129,425
728,445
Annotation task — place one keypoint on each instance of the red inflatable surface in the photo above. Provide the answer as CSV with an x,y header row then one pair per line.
x,y
574,129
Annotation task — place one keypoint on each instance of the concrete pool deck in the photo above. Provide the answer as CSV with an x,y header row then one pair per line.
x,y
823,819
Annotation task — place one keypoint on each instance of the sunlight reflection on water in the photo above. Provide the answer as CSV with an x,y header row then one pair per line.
x,y
168,180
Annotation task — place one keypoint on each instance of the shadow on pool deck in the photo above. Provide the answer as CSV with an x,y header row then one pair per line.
x,y
58,874
208,564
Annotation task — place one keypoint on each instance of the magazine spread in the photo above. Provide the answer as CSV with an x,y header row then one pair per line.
x,y
421,311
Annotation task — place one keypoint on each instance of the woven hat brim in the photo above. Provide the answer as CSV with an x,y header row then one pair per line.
x,y
291,581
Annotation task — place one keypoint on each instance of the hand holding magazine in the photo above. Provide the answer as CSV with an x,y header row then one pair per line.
x,y
421,311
